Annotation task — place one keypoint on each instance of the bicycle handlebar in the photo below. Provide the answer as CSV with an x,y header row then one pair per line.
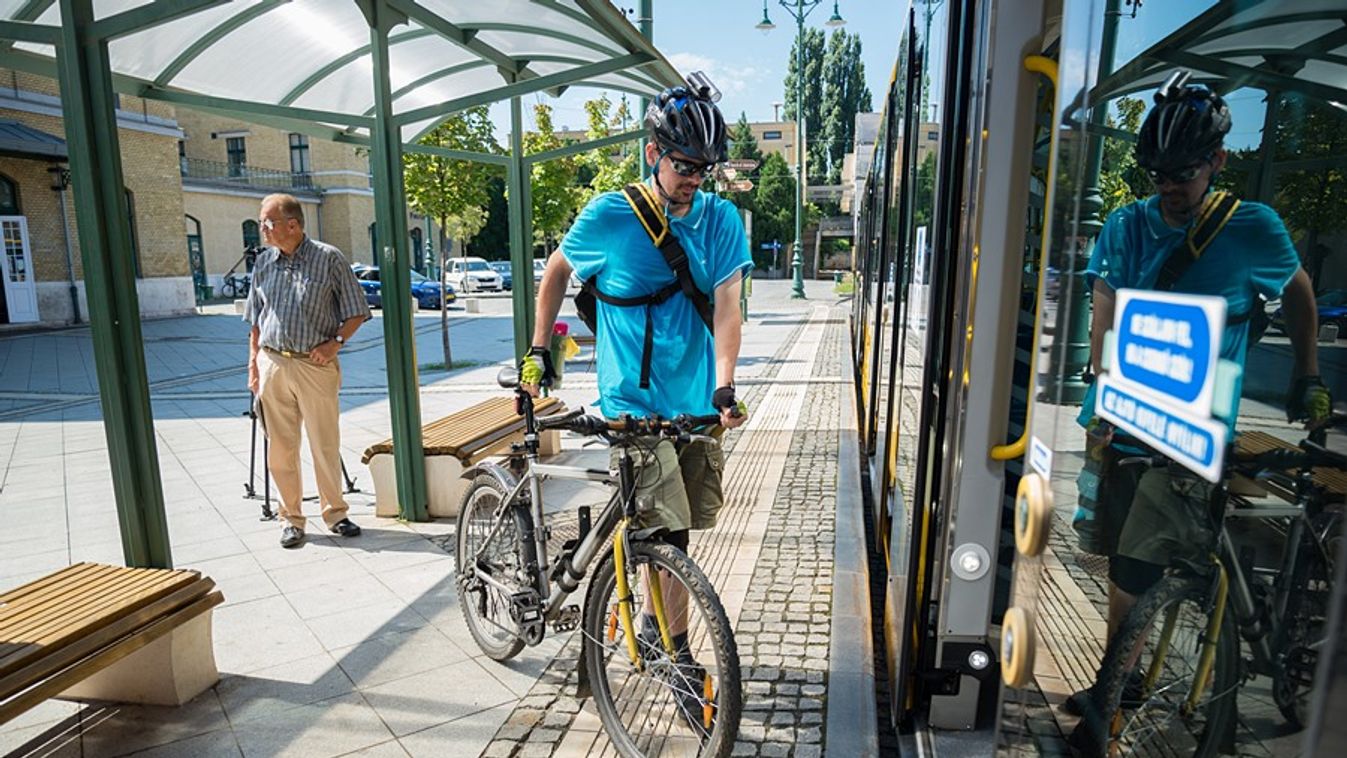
x,y
627,426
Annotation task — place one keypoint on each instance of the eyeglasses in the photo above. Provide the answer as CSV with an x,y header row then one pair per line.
x,y
271,224
691,168
1182,176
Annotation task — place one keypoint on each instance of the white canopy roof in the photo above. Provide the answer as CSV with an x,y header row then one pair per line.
x,y
311,59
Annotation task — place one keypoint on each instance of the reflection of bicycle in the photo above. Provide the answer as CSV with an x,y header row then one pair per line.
x,y
1173,673
658,655
236,285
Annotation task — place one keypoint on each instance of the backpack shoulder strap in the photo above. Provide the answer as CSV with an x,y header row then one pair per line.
x,y
642,202
1217,210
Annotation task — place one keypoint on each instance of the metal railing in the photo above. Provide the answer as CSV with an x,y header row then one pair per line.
x,y
242,175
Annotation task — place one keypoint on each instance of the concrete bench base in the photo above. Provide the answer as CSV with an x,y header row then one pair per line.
x,y
171,670
444,482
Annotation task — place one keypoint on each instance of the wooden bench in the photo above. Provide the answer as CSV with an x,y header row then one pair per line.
x,y
96,632
1252,443
454,443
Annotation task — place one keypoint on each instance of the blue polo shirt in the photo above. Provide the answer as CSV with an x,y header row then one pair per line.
x,y
608,241
1253,254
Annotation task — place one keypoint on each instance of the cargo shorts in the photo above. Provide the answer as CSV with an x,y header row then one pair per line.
x,y
1169,518
677,487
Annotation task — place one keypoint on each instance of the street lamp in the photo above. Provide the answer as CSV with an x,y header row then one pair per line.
x,y
799,10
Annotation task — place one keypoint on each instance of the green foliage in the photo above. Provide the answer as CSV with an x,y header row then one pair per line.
x,y
493,241
552,187
453,192
816,162
773,201
607,169
844,95
1121,180
1312,201
925,191
742,142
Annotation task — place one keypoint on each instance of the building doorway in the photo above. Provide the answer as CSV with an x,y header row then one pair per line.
x,y
196,259
16,267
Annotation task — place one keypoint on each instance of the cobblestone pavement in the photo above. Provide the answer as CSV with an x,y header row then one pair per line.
x,y
783,612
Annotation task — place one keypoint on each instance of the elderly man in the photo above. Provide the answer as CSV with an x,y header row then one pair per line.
x,y
304,305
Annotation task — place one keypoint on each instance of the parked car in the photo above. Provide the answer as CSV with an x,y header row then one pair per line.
x,y
506,278
539,266
426,291
472,275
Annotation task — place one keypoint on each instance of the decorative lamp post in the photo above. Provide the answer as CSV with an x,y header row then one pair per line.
x,y
799,10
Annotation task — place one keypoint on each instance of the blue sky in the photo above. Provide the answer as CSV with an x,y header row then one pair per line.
x,y
749,66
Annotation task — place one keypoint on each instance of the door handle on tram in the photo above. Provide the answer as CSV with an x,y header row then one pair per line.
x,y
1047,67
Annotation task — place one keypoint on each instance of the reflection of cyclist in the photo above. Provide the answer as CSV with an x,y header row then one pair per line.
x,y
1146,520
689,371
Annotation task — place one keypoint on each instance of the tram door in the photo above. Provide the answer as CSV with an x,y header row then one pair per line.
x,y
1282,157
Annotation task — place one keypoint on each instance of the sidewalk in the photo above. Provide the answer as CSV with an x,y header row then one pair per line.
x,y
358,646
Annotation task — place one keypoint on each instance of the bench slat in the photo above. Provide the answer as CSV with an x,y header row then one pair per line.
x,y
108,656
465,431
48,625
66,574
1253,443
24,621
89,641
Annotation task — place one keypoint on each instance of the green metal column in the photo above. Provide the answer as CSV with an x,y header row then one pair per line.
x,y
390,217
88,105
1070,356
647,24
517,181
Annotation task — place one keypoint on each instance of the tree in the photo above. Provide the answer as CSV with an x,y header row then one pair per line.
x,y
452,192
743,144
1311,200
552,182
844,95
1121,180
608,169
774,209
816,163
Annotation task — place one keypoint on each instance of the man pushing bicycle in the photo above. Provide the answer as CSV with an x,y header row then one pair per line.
x,y
665,263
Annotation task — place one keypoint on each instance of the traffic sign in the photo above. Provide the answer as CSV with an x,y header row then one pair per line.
x,y
1198,444
740,185
727,173
1167,345
742,164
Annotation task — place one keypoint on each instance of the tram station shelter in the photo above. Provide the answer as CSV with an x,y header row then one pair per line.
x,y
372,73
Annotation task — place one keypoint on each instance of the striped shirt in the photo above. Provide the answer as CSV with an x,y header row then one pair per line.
x,y
298,301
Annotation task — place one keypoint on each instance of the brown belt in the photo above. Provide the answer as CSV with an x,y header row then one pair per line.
x,y
286,353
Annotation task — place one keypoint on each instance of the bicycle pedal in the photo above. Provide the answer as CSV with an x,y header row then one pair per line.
x,y
568,620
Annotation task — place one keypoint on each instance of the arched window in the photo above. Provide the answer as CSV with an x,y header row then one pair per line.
x,y
418,255
9,197
252,237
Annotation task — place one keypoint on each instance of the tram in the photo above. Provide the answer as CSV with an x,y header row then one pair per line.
x,y
1005,141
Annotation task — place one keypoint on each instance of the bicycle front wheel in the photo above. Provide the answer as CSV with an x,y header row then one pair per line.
x,y
1151,671
676,697
228,288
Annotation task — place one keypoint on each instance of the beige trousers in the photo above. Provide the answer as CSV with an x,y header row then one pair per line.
x,y
295,392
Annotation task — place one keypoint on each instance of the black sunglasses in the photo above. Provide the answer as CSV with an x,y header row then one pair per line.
x,y
1182,176
691,168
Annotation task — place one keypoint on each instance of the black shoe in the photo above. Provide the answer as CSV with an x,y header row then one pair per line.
x,y
292,536
685,677
346,528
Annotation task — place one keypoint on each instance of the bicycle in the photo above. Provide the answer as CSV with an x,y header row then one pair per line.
x,y
236,285
676,666
1182,638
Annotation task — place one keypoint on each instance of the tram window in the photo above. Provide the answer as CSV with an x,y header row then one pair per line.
x,y
1280,265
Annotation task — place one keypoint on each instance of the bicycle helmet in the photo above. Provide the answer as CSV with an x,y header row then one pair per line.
x,y
686,120
1187,125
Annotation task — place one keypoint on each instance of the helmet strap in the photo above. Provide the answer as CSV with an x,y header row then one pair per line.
x,y
669,204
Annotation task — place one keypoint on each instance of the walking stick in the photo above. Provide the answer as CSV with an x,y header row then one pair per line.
x,y
259,415
350,482
249,490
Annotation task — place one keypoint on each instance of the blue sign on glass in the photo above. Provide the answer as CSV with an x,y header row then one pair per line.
x,y
1167,345
1198,444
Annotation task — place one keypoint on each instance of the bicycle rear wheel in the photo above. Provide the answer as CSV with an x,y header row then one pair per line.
x,y
1162,638
228,288
486,607
685,704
